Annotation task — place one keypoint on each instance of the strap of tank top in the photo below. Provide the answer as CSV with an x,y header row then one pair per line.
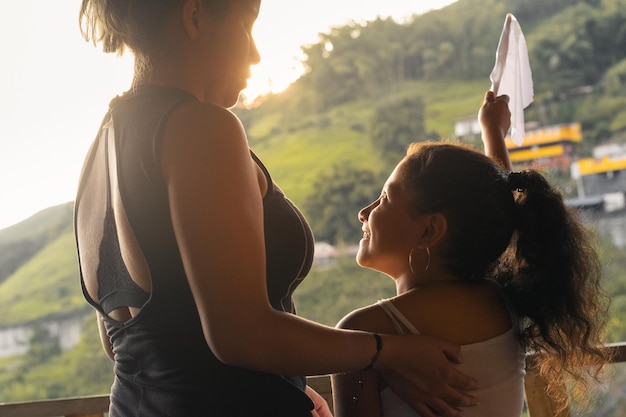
x,y
396,317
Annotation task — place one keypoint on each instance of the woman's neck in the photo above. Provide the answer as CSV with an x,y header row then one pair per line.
x,y
411,282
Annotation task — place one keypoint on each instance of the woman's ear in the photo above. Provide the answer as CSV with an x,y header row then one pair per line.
x,y
434,230
192,10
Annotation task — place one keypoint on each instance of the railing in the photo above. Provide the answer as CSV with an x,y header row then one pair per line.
x,y
539,404
94,406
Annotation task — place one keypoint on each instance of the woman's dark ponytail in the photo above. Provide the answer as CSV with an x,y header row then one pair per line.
x,y
551,274
514,228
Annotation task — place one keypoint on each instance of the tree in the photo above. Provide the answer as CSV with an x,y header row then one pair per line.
x,y
42,347
340,194
397,123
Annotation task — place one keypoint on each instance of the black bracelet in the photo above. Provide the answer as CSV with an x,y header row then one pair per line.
x,y
379,346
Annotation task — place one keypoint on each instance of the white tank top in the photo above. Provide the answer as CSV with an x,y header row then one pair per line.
x,y
498,364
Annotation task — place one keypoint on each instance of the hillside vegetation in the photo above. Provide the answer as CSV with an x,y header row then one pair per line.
x,y
329,141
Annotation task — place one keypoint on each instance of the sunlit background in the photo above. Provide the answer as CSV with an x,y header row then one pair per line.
x,y
55,87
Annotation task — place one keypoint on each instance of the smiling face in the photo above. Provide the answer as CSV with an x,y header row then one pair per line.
x,y
389,229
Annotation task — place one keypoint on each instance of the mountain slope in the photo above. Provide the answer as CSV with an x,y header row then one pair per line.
x,y
45,285
20,242
300,143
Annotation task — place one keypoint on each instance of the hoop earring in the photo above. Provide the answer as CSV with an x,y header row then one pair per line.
x,y
411,260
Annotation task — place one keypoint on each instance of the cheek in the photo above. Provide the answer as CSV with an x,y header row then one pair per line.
x,y
390,230
397,239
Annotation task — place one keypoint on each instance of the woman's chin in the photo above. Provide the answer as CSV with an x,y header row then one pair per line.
x,y
361,258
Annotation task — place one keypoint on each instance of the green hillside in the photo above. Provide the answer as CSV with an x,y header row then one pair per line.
x,y
330,128
297,152
46,285
22,241
329,118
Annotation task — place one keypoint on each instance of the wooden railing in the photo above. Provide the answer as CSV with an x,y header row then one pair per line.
x,y
539,404
94,406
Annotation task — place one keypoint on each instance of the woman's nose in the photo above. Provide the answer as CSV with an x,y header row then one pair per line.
x,y
364,213
255,55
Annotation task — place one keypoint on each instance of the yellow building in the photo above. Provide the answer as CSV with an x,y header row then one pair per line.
x,y
549,147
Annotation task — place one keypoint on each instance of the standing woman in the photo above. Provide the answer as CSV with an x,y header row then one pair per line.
x,y
190,253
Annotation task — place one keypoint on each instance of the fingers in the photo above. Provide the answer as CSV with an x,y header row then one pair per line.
x,y
321,408
456,383
461,381
494,115
452,351
433,380
455,396
457,379
490,97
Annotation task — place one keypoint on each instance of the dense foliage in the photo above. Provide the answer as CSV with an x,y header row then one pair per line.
x,y
331,210
371,88
330,141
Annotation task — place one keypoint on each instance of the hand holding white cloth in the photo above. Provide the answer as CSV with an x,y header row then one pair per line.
x,y
512,76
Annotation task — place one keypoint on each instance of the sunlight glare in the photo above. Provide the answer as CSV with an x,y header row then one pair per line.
x,y
56,87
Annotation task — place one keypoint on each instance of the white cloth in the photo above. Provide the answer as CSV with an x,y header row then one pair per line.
x,y
498,364
511,74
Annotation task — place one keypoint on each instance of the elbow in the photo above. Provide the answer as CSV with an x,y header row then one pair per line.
x,y
227,355
249,342
234,348
240,355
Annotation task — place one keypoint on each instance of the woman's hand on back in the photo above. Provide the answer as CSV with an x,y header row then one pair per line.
x,y
420,370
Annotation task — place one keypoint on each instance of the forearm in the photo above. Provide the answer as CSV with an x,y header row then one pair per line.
x,y
416,367
495,119
283,343
495,148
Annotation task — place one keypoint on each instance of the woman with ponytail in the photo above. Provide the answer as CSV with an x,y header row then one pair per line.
x,y
487,258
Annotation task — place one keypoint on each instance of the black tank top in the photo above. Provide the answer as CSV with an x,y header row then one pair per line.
x,y
163,364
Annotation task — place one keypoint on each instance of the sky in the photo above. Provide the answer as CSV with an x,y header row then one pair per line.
x,y
55,87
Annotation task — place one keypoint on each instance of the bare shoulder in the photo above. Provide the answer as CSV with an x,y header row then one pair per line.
x,y
369,318
463,313
200,137
195,120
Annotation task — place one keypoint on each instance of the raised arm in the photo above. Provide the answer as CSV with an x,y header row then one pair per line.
x,y
495,120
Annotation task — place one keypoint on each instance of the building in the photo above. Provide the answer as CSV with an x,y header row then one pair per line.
x,y
552,147
601,184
